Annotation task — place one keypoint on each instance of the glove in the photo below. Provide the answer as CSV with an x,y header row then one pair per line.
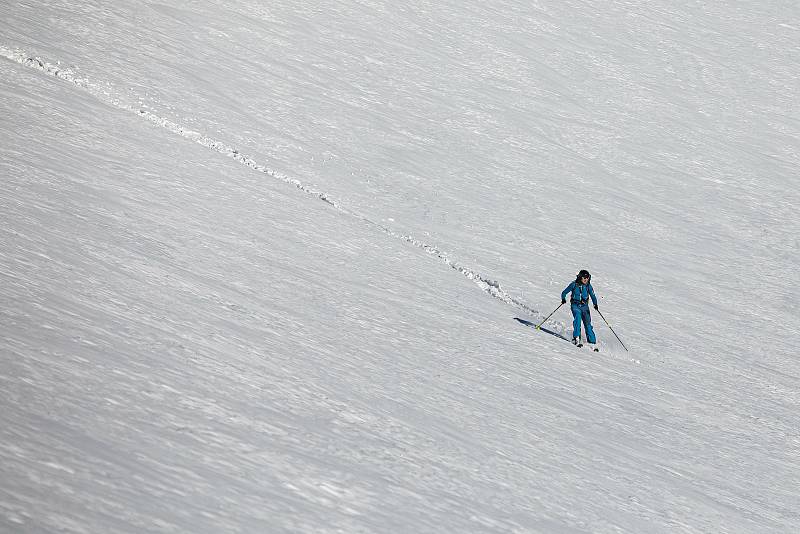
x,y
563,301
595,306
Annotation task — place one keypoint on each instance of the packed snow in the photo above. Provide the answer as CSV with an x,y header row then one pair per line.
x,y
261,264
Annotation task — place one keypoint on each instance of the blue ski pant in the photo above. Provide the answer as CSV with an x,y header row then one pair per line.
x,y
580,313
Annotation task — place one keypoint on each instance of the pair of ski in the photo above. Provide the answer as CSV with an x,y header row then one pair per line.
x,y
556,334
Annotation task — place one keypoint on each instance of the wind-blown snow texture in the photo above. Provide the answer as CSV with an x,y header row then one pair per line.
x,y
240,245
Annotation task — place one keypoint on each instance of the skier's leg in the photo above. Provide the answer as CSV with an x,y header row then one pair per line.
x,y
576,322
587,324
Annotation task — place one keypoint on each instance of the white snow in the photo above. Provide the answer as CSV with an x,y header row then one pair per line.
x,y
260,266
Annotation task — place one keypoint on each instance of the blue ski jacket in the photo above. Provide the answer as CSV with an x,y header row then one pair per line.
x,y
580,293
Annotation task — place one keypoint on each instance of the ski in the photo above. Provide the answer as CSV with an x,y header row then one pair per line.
x,y
555,334
542,329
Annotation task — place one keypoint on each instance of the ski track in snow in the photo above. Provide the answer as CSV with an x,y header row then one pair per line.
x,y
104,93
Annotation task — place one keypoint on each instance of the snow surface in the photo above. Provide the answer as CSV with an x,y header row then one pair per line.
x,y
261,262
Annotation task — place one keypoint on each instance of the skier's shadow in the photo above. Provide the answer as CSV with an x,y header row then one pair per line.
x,y
541,328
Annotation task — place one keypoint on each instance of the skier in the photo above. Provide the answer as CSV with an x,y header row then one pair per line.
x,y
581,289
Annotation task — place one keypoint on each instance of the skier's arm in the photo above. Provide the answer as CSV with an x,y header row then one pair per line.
x,y
591,294
569,289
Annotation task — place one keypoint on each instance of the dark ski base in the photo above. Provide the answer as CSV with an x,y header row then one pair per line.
x,y
546,331
543,329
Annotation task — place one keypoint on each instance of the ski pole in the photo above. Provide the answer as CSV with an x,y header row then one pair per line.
x,y
612,331
546,318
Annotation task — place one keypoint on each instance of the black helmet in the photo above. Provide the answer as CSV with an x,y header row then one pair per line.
x,y
582,273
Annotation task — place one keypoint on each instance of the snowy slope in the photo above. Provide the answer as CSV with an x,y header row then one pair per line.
x,y
234,244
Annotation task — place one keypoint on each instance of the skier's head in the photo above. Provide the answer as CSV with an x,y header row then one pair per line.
x,y
583,277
